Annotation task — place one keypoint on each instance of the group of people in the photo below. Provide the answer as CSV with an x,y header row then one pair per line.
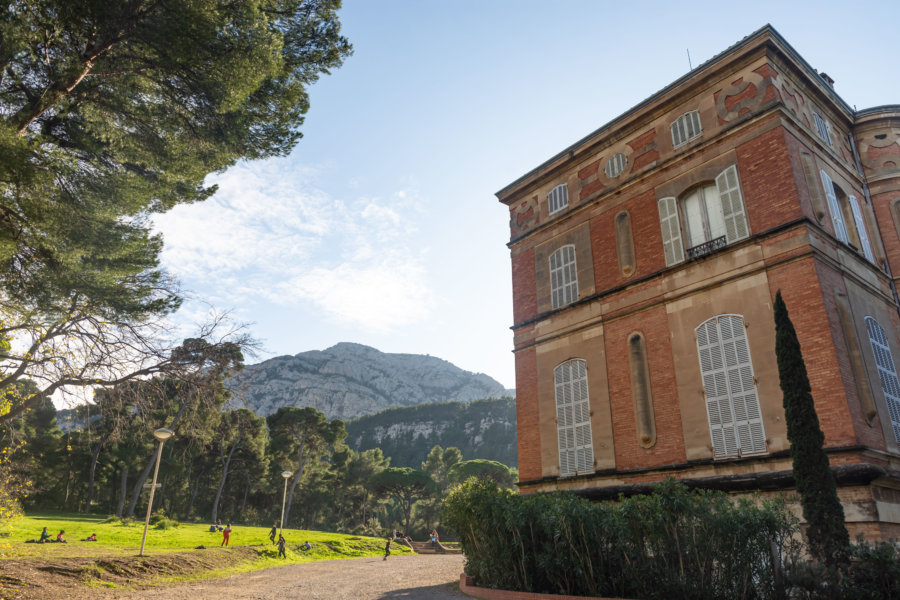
x,y
283,542
397,534
47,538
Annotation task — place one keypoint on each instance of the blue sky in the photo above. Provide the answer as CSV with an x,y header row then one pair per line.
x,y
382,227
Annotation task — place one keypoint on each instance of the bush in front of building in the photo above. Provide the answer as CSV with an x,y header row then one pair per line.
x,y
673,543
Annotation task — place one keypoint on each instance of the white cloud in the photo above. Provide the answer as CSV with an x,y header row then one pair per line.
x,y
269,234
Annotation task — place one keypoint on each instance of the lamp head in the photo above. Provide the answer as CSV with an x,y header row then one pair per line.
x,y
163,434
286,474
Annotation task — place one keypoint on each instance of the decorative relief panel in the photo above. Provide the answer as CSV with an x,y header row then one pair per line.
x,y
523,216
879,150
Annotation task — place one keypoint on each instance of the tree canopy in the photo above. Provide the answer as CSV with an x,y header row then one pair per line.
x,y
113,111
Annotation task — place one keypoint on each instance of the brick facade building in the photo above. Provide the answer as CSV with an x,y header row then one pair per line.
x,y
645,261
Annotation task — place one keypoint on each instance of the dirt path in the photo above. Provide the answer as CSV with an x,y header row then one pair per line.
x,y
410,577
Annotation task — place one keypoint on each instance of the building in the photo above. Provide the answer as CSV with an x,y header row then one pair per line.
x,y
645,261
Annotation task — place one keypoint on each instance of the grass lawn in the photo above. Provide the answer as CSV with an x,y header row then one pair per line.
x,y
118,539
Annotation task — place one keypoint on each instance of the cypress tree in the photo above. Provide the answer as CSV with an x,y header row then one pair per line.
x,y
826,533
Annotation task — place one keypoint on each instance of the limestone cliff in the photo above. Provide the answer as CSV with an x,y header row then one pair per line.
x,y
350,380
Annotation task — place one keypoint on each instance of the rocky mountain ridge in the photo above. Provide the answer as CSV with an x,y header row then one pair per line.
x,y
350,380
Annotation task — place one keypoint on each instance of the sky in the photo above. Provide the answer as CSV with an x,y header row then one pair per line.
x,y
382,228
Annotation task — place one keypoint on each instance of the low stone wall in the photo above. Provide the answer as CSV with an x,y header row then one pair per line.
x,y
468,587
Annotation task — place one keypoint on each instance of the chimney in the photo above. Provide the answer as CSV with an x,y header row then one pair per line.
x,y
827,79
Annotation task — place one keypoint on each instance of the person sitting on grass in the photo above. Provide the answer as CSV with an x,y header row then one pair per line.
x,y
281,544
45,537
59,536
90,538
306,546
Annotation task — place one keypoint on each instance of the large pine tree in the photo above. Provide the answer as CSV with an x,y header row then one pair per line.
x,y
827,535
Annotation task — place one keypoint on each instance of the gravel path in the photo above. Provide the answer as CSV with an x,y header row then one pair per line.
x,y
408,577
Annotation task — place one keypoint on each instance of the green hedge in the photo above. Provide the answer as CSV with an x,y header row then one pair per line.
x,y
671,544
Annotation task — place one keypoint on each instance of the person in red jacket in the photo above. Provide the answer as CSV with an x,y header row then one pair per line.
x,y
225,534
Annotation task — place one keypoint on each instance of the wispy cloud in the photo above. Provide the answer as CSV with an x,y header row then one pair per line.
x,y
270,234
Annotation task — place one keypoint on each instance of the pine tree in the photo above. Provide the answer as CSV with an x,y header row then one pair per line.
x,y
826,533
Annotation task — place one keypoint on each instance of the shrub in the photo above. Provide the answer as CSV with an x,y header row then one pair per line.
x,y
670,544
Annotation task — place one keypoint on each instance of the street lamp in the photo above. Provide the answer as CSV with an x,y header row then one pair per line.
x,y
286,475
161,435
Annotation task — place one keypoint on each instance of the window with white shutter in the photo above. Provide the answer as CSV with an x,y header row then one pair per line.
x,y
615,165
558,198
861,229
671,231
732,205
837,216
822,128
685,128
573,418
887,372
732,407
563,277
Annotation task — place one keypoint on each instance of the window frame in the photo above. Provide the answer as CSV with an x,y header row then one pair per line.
x,y
563,276
887,372
558,198
575,442
734,415
616,164
683,126
822,128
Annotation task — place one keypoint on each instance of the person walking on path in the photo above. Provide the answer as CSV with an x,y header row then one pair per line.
x,y
387,549
273,531
226,533
281,544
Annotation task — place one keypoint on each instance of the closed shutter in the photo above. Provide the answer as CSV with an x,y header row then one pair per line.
x,y
861,229
887,372
671,231
563,277
837,217
576,448
735,420
732,205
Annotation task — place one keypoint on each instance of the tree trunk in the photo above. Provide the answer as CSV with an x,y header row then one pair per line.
x,y
139,484
122,492
301,461
226,462
95,456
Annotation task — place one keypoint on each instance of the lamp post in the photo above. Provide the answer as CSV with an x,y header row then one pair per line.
x,y
161,435
286,475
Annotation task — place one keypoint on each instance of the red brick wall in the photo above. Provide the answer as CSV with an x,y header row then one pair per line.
x,y
767,181
801,283
646,236
528,429
669,447
524,286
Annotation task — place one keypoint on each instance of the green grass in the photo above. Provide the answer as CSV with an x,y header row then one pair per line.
x,y
116,538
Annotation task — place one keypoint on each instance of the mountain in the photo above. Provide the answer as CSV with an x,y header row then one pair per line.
x,y
480,429
350,380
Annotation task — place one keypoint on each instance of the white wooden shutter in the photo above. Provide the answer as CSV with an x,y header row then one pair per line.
x,y
563,277
671,230
735,421
861,229
576,447
732,205
837,217
887,372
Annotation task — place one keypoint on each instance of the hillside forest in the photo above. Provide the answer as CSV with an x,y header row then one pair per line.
x,y
227,464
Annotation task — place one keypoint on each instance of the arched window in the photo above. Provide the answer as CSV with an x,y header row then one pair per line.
x,y
887,372
735,421
712,215
558,198
563,277
573,418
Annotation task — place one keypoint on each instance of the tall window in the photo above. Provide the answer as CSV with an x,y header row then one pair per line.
x,y
712,215
822,128
573,418
735,421
846,217
685,128
558,198
887,372
563,277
